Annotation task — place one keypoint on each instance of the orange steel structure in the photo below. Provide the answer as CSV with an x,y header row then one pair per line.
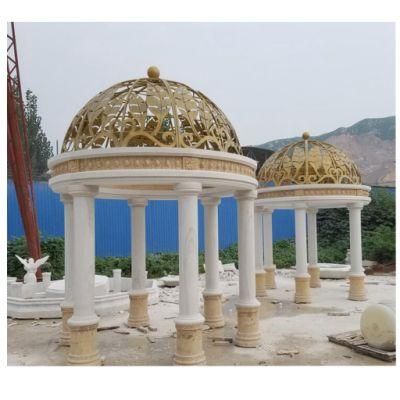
x,y
18,150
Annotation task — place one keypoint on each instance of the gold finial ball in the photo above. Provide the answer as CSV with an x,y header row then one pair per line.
x,y
153,72
306,136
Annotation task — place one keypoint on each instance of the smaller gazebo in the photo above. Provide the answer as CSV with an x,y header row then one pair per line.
x,y
308,175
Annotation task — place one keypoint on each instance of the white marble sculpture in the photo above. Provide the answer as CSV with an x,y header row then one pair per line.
x,y
31,266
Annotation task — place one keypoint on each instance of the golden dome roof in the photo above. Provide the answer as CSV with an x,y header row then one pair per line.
x,y
309,161
151,112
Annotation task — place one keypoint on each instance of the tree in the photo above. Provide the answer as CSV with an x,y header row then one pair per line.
x,y
378,228
381,211
40,148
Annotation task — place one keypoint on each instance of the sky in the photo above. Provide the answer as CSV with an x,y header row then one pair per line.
x,y
272,80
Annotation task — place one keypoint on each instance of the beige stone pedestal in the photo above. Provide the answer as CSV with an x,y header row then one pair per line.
x,y
315,282
189,344
248,331
270,277
65,334
138,311
302,294
213,315
260,284
83,346
357,288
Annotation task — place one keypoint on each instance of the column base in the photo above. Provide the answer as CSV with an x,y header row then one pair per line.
x,y
260,284
65,334
189,344
357,288
213,315
83,346
248,330
138,310
302,294
270,277
315,282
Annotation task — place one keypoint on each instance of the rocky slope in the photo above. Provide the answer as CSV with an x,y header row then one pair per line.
x,y
370,143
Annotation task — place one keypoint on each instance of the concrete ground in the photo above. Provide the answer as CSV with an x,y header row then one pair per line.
x,y
285,326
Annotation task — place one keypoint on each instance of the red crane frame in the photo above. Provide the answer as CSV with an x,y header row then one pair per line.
x,y
18,151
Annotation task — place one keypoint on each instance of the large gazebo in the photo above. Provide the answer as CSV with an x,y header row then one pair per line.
x,y
144,139
308,175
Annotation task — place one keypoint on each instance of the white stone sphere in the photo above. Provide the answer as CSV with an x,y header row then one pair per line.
x,y
378,327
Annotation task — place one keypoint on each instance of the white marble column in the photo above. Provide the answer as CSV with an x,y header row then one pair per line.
x,y
212,294
259,259
268,244
67,304
138,312
189,346
84,321
357,275
248,332
313,268
302,278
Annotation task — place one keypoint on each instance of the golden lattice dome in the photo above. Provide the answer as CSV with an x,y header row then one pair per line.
x,y
151,112
309,161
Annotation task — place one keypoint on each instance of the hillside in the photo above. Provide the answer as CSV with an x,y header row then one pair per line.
x,y
370,143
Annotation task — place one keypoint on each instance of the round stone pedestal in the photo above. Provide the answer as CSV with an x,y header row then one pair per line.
x,y
302,294
270,277
357,289
315,281
260,284
83,346
248,331
189,344
213,315
378,327
65,334
138,310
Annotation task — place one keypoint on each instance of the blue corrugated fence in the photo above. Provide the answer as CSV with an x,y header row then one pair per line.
x,y
113,222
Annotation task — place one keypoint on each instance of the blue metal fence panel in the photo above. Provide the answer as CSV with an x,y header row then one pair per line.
x,y
112,228
113,236
50,211
283,224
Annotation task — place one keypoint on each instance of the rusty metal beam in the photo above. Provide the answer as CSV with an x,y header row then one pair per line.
x,y
18,151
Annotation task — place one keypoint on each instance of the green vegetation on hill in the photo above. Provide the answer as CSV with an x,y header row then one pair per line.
x,y
384,128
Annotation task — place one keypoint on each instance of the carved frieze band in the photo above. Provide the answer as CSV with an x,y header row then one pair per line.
x,y
314,192
145,162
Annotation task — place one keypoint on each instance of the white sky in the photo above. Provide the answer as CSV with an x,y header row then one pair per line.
x,y
272,80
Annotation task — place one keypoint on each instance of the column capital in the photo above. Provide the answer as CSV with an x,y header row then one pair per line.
x,y
137,202
355,206
66,198
312,210
246,194
82,190
300,206
258,209
210,201
267,210
188,187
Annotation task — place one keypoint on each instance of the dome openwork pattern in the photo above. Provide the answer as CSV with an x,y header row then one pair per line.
x,y
151,112
309,162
